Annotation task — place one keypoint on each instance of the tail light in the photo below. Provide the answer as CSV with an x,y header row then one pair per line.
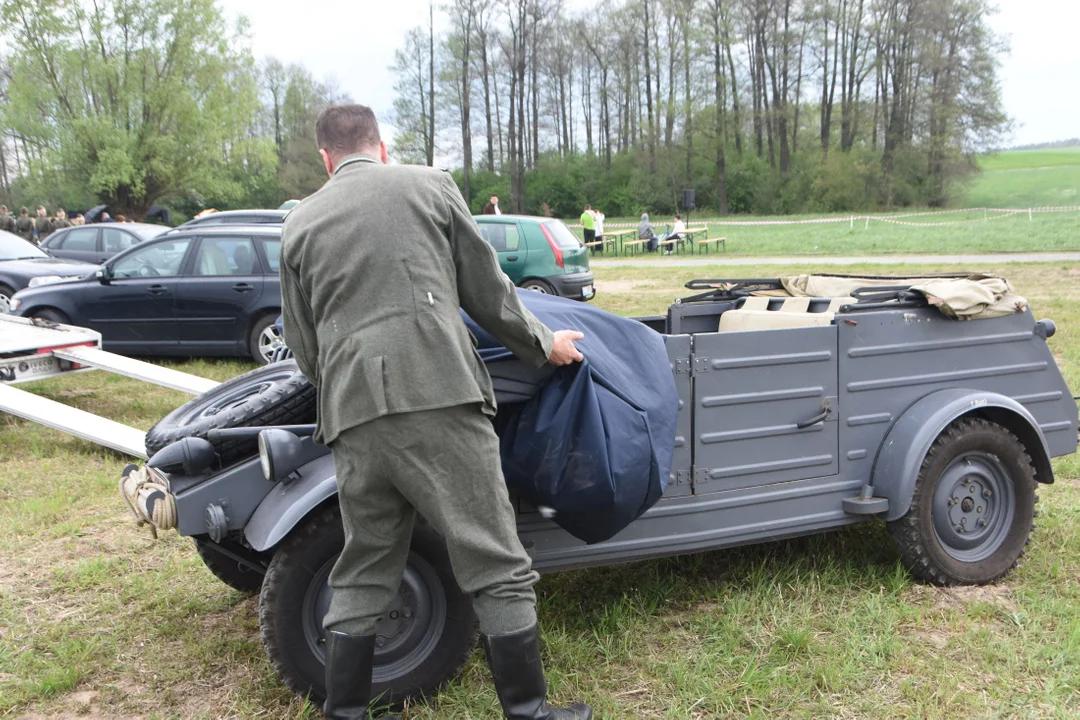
x,y
554,246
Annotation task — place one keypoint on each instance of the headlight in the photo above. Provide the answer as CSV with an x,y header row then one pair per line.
x,y
48,279
13,304
279,454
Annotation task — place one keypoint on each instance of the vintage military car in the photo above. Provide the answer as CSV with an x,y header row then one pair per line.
x,y
798,415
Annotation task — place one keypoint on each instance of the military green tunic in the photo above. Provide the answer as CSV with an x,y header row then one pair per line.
x,y
374,268
24,227
7,223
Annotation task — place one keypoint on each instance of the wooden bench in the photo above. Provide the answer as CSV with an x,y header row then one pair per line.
x,y
633,245
707,243
693,232
676,243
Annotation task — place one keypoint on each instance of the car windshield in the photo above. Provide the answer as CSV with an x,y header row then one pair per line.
x,y
13,247
562,234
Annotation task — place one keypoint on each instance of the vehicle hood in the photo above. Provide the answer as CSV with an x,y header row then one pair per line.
x,y
47,266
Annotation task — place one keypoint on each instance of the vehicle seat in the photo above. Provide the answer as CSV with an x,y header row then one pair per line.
x,y
244,260
212,261
794,312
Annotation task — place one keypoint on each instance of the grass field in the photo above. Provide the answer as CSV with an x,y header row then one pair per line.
x,y
1027,178
969,232
99,620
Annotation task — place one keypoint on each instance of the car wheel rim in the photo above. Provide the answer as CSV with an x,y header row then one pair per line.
x,y
537,288
973,506
5,304
269,341
218,404
408,631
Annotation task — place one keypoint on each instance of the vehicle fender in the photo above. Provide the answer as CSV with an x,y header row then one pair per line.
x,y
290,502
908,441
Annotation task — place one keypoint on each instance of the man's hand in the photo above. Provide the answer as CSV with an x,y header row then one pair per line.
x,y
563,351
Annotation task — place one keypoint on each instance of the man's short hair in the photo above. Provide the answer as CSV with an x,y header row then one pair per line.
x,y
678,217
588,206
345,129
40,207
23,210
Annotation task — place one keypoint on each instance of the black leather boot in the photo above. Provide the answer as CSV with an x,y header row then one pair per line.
x,y
519,679
349,660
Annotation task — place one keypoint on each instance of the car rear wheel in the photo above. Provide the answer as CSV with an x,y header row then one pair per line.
x,y
973,507
538,285
6,291
264,339
423,640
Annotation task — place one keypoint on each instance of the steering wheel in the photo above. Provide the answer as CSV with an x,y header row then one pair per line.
x,y
147,270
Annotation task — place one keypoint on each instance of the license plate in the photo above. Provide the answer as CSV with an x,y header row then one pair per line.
x,y
587,291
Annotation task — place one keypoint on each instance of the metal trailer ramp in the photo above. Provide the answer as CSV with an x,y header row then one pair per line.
x,y
137,369
30,350
73,421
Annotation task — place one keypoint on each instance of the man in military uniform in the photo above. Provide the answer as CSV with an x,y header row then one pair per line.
x,y
42,224
61,220
374,268
24,226
7,223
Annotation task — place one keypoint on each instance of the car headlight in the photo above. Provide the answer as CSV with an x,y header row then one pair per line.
x,y
48,279
13,304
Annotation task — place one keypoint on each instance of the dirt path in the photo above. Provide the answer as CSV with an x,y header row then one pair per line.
x,y
974,260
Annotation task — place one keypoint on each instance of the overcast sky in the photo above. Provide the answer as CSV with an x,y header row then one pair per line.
x,y
354,43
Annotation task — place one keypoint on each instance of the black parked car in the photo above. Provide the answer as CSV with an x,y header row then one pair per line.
x,y
238,217
23,264
201,291
98,243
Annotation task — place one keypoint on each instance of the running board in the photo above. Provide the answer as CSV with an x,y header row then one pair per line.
x,y
71,420
137,369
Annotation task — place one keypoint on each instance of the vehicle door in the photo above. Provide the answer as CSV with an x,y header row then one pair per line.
x,y
271,258
79,243
218,293
505,237
114,241
765,407
134,307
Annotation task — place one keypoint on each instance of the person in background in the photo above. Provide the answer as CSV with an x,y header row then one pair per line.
x,y
24,226
121,218
61,220
589,223
492,208
7,223
105,218
645,232
678,232
78,219
598,218
42,224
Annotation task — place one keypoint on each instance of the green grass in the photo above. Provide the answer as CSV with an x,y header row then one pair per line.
x,y
1027,178
98,619
968,232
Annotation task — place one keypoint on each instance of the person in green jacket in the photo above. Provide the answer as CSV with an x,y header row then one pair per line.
x,y
374,267
42,224
7,223
588,222
24,226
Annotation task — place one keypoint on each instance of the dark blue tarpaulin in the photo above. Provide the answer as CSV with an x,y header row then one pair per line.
x,y
595,443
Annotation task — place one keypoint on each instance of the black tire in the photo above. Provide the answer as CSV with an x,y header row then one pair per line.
x,y
538,285
973,508
277,394
54,316
6,291
264,339
236,575
420,654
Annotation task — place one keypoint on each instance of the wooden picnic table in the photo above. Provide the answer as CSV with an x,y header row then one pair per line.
x,y
615,239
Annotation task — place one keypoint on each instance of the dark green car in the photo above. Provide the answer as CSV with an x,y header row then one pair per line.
x,y
540,254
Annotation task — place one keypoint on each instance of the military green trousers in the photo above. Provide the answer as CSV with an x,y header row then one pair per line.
x,y
443,464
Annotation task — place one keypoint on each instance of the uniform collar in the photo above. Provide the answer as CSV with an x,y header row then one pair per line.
x,y
354,159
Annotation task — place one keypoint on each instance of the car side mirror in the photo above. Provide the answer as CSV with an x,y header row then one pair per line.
x,y
103,274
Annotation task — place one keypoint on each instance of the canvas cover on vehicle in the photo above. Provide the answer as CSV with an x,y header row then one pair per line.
x,y
595,443
971,297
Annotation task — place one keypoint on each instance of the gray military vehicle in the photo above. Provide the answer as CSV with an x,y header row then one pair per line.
x,y
798,415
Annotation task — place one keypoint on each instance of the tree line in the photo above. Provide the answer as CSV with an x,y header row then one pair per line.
x,y
131,104
766,106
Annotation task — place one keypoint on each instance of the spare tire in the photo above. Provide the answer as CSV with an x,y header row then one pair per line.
x,y
277,394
